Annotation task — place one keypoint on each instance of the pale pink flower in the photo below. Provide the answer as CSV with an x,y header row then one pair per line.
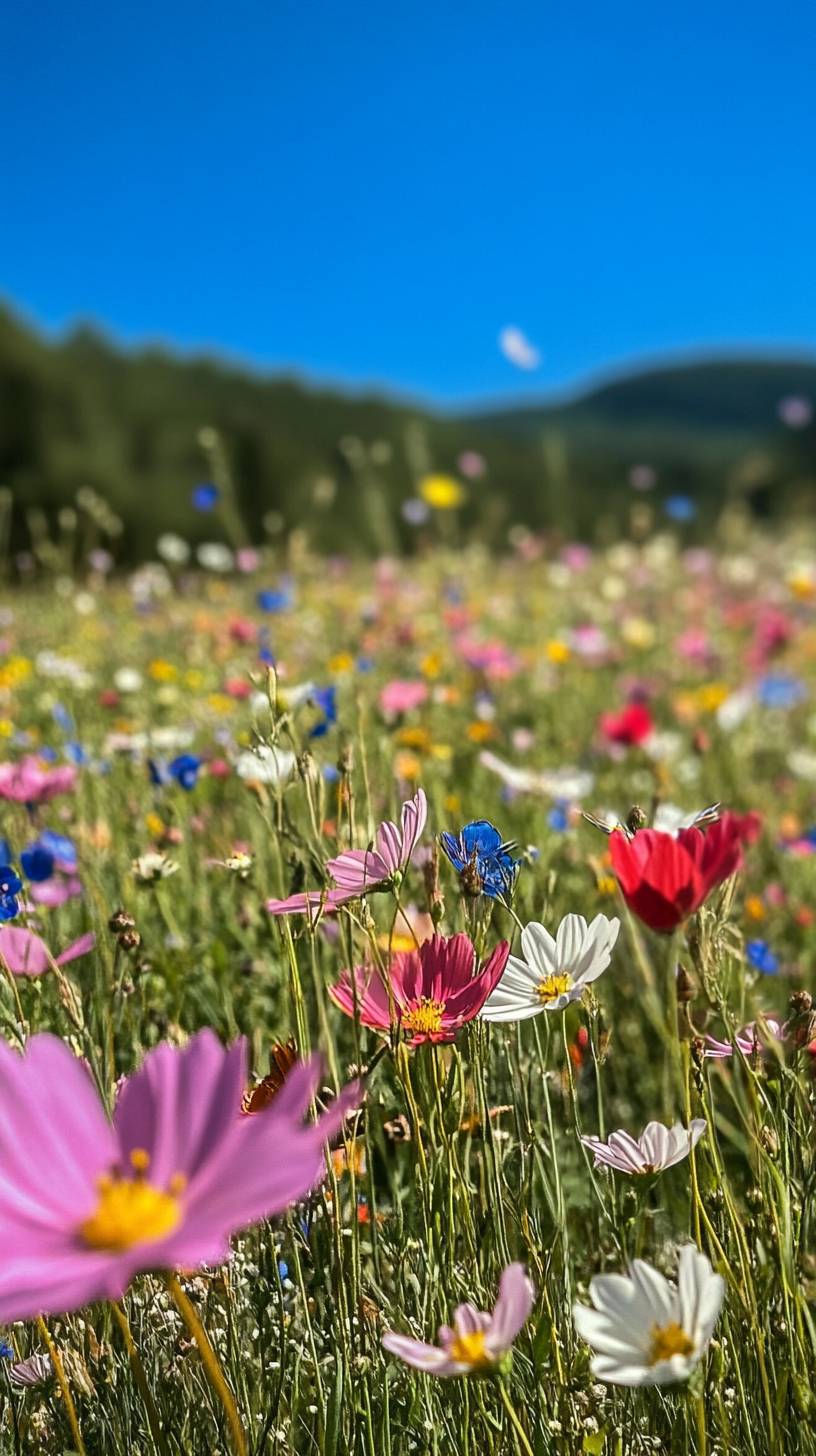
x,y
478,1342
402,696
33,782
752,1038
658,1147
356,871
26,954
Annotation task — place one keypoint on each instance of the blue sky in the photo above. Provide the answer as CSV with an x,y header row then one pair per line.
x,y
369,193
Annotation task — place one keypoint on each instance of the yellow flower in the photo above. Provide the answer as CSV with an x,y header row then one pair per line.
x,y
606,885
407,766
6,727
15,671
442,751
340,663
452,804
441,492
480,732
711,696
754,908
154,825
416,738
431,666
802,586
637,632
194,678
556,651
220,703
162,671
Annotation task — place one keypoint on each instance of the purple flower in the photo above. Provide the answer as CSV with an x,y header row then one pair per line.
x,y
205,496
478,1342
86,1204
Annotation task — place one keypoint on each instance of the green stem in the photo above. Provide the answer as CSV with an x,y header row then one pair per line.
x,y
141,1379
211,1363
521,1438
68,1399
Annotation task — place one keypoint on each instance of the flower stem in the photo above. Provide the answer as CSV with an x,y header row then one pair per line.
x,y
521,1438
211,1363
141,1379
59,1371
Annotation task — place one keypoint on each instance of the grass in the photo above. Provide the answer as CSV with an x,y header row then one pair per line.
x,y
464,1157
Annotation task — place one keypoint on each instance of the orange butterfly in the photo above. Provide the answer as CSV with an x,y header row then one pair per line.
x,y
281,1060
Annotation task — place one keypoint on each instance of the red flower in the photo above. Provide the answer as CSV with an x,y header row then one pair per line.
x,y
632,726
432,993
665,877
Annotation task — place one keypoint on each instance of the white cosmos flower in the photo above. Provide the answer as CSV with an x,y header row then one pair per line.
x,y
644,1331
553,972
265,765
658,1147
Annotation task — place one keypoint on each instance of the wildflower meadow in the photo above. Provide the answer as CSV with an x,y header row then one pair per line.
x,y
406,995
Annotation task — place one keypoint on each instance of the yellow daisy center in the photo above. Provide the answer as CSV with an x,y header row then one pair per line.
x,y
131,1210
470,1350
424,1017
555,985
669,1340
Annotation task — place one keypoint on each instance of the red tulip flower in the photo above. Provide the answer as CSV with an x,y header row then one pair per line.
x,y
664,877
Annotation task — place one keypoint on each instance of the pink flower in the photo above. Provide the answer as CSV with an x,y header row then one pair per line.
x,y
32,782
751,1039
478,1342
658,1147
86,1204
402,696
431,994
26,954
356,871
56,891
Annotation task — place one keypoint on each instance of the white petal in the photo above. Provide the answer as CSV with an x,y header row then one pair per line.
x,y
569,941
540,950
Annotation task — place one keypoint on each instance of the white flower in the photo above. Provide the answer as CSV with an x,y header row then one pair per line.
x,y
642,1329
215,556
264,765
173,549
658,1147
127,680
735,709
558,783
553,972
153,866
802,762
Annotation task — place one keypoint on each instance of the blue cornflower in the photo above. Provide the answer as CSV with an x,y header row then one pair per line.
x,y
62,718
482,858
761,957
781,690
205,496
680,508
37,862
10,887
6,1352
184,770
61,847
326,700
558,817
274,600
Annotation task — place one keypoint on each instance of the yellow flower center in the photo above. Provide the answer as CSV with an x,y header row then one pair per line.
x,y
131,1211
669,1340
470,1350
424,1017
551,986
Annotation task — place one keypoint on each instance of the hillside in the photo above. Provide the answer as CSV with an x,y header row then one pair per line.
x,y
80,413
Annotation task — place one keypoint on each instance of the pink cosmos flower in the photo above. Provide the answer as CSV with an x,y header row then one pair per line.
x,y
86,1204
751,1039
431,994
658,1147
32,782
56,891
356,871
26,954
402,696
478,1342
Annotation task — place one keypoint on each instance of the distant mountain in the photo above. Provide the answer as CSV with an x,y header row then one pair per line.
x,y
125,429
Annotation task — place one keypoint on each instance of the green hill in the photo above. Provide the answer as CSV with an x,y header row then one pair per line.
x,y
80,414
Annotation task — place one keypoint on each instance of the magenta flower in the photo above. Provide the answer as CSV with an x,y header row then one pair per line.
x,y
432,992
26,954
356,871
478,1342
402,696
32,782
86,1204
752,1038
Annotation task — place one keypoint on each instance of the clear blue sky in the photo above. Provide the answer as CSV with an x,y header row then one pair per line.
x,y
371,192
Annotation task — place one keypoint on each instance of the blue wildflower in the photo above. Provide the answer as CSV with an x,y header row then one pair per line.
x,y
761,957
6,1352
272,600
10,887
781,690
205,496
184,770
6,855
62,848
37,862
326,700
680,508
558,817
482,859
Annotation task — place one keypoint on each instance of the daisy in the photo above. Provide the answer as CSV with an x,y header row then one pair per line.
x,y
658,1147
477,1342
554,972
644,1331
